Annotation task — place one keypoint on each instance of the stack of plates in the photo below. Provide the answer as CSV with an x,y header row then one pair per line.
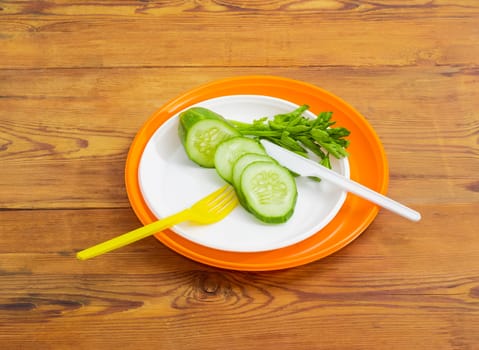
x,y
161,180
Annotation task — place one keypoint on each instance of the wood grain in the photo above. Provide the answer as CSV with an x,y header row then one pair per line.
x,y
380,283
358,33
45,132
78,80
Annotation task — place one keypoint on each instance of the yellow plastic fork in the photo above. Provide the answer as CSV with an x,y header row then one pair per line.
x,y
212,208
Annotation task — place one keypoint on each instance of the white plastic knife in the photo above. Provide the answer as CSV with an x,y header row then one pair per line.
x,y
307,167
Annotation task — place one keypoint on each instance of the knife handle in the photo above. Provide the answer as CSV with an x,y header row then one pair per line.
x,y
367,193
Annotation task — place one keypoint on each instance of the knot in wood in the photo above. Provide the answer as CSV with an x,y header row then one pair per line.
x,y
474,292
211,286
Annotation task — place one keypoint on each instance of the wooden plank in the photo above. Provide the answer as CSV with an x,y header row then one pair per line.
x,y
59,233
391,284
381,9
62,34
72,128
77,81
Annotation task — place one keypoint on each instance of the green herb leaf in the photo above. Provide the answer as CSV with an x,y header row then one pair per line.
x,y
300,134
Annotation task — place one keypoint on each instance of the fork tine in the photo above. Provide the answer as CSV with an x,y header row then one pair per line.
x,y
224,197
233,202
227,201
219,213
213,196
215,206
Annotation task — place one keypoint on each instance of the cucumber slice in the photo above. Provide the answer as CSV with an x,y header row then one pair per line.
x,y
243,161
201,131
269,191
238,167
228,152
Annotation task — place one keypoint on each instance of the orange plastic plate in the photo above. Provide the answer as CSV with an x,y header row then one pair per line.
x,y
367,161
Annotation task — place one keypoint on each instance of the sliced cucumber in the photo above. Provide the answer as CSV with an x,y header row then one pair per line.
x,y
201,131
265,188
238,167
228,152
243,161
269,191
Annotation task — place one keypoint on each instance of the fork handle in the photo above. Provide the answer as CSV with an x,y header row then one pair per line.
x,y
133,236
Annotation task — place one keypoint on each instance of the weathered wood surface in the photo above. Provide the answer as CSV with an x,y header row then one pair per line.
x,y
77,81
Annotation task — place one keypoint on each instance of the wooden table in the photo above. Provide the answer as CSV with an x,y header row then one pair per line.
x,y
79,79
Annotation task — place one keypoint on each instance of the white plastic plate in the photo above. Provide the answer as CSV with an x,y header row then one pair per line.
x,y
170,181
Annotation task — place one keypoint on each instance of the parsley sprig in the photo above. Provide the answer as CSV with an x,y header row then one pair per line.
x,y
299,134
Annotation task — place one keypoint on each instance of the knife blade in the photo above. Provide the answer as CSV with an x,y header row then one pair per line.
x,y
308,167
